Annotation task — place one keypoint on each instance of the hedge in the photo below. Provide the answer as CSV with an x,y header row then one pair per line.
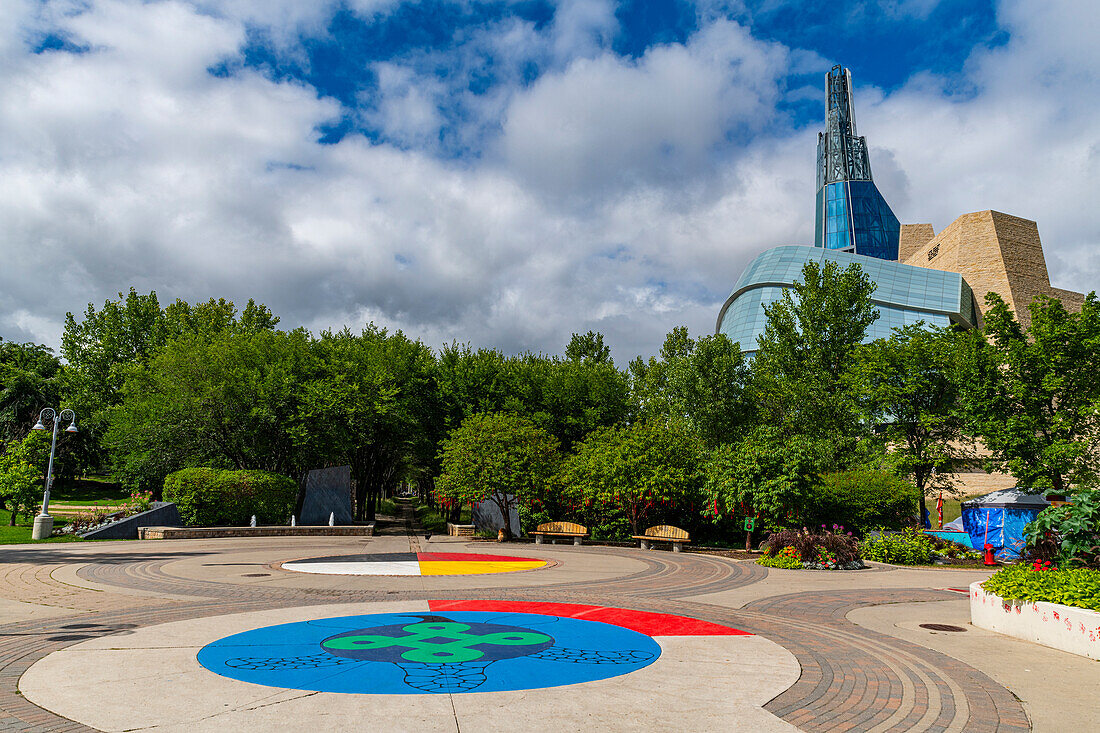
x,y
863,500
211,497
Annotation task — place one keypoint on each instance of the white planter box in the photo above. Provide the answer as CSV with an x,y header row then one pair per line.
x,y
1073,630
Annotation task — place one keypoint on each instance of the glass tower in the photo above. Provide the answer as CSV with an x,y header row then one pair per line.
x,y
851,216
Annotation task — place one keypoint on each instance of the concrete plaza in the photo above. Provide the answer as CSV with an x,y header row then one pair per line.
x,y
105,636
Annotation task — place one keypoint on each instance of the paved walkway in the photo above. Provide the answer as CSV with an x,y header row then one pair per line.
x,y
843,675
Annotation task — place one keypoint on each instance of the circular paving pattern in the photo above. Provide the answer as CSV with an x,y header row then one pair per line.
x,y
415,563
131,660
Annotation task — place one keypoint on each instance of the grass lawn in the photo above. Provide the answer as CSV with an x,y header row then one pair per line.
x,y
91,490
21,532
952,510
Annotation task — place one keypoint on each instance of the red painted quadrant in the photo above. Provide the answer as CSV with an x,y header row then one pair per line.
x,y
653,624
470,557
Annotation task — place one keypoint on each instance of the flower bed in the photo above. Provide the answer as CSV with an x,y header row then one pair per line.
x,y
826,549
1041,581
84,522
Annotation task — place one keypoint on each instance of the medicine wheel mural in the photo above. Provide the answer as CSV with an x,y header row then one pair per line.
x,y
415,563
457,647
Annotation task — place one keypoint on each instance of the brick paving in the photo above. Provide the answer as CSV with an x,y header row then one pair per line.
x,y
852,678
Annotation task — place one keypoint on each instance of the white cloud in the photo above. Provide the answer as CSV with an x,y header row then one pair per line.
x,y
609,123
1021,138
615,194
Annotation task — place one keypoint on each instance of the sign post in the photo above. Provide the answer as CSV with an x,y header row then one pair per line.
x,y
750,524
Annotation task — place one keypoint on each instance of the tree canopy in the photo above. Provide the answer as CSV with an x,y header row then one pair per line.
x,y
1032,395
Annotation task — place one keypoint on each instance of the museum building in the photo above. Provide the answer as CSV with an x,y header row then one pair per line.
x,y
920,276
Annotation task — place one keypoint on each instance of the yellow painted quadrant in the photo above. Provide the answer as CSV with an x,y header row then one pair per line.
x,y
476,567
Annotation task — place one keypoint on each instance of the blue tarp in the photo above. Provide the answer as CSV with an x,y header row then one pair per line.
x,y
998,519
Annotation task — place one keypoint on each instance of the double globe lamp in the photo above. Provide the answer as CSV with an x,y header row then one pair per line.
x,y
43,523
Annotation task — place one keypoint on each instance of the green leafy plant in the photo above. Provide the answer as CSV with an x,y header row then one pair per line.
x,y
1068,535
908,547
787,558
1078,587
208,496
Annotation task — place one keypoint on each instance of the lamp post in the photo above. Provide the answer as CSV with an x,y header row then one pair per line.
x,y
43,523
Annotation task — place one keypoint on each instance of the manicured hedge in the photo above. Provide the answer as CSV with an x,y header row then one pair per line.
x,y
863,501
1079,587
211,497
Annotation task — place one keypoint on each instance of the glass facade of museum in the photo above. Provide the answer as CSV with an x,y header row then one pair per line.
x,y
851,213
853,216
903,294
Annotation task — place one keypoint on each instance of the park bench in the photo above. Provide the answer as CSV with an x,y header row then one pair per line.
x,y
664,533
560,529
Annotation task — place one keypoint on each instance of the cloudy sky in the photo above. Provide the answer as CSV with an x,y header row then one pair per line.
x,y
506,173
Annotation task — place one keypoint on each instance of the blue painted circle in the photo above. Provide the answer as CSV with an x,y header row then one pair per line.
x,y
430,653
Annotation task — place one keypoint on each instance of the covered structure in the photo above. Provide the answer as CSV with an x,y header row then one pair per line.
x,y
998,519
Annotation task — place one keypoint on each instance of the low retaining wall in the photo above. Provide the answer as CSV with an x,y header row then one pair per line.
x,y
200,533
162,514
1073,630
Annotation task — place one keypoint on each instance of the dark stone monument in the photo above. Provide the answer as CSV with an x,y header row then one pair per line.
x,y
161,514
327,491
486,516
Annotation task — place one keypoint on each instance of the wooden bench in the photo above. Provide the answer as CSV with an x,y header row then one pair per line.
x,y
664,533
560,529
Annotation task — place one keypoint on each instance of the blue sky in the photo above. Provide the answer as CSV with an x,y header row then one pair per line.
x,y
883,46
506,173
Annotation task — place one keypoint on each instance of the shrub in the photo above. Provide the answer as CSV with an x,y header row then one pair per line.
x,y
208,496
863,500
908,547
787,558
1068,535
840,546
1077,587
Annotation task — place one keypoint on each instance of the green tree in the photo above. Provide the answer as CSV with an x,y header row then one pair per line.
x,y
22,475
30,379
378,404
862,500
769,474
702,382
906,386
568,398
808,342
588,348
634,469
233,401
103,346
1032,396
499,457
